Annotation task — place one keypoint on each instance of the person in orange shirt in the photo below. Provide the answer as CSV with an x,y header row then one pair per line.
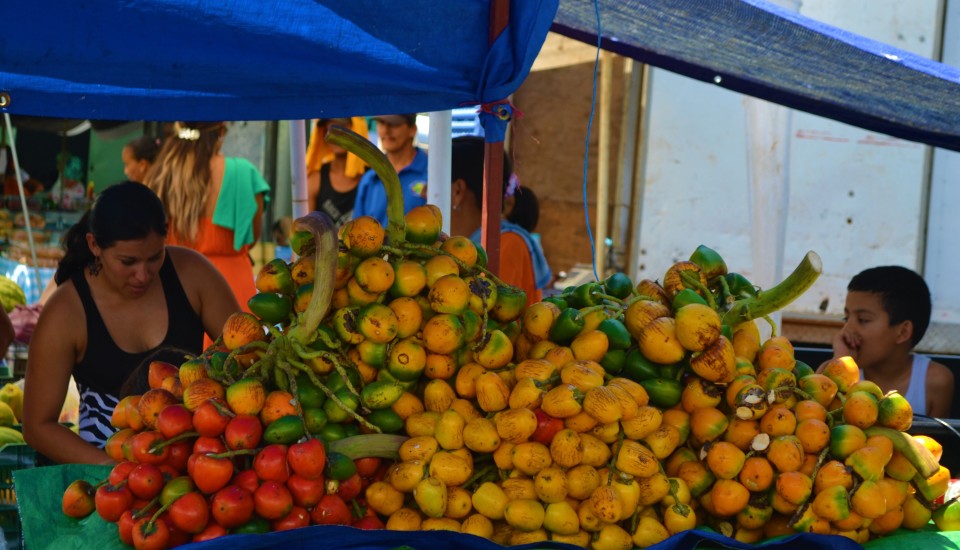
x,y
214,203
522,262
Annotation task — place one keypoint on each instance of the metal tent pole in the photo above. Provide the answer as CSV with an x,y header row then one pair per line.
x,y
23,199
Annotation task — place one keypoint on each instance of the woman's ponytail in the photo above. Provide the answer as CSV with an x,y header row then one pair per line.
x,y
77,254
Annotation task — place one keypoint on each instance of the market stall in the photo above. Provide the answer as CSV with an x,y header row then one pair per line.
x,y
388,94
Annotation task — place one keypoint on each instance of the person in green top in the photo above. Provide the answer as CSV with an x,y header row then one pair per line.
x,y
214,203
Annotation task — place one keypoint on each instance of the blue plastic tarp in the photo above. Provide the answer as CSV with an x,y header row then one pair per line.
x,y
756,48
264,60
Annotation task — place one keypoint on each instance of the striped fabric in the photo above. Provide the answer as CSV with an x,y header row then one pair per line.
x,y
95,412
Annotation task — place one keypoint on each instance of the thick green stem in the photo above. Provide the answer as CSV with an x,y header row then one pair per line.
x,y
358,145
778,297
692,279
332,396
325,268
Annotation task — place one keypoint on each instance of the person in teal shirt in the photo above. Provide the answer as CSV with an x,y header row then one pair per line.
x,y
396,134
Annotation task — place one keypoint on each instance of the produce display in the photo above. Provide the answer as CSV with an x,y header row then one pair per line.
x,y
388,380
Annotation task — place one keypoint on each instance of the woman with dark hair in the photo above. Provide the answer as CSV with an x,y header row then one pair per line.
x,y
138,156
122,295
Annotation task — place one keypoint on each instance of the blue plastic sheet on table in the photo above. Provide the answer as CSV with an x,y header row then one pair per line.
x,y
26,277
44,526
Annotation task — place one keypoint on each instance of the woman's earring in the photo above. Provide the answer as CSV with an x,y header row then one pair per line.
x,y
95,266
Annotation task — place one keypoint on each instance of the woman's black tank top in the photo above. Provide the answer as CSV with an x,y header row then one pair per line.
x,y
105,366
337,205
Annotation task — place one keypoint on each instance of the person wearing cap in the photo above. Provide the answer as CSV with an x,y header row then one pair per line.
x,y
396,134
333,173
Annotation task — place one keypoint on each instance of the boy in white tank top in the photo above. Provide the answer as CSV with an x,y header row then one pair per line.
x,y
886,314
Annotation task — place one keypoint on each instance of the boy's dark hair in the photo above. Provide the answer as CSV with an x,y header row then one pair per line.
x,y
466,163
526,209
903,293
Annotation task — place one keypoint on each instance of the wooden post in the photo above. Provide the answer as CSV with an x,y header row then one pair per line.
x,y
493,162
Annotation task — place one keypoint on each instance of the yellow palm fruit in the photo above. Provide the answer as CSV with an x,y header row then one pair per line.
x,y
561,518
640,313
430,495
649,531
421,423
580,422
648,419
466,381
562,401
526,394
590,346
539,370
404,476
601,403
480,435
495,352
658,342
652,489
582,374
459,505
492,393
524,515
404,519
519,488
551,484
530,457
697,326
636,460
450,468
420,448
490,500
515,425
438,396
596,453
503,455
449,430
566,448
478,525
466,409
581,481
606,504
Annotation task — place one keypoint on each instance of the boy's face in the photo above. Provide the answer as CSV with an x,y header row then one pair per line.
x,y
867,330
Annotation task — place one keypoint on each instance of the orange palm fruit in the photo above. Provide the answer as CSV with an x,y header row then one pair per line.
x,y
785,453
860,409
869,461
746,341
729,497
819,387
813,434
725,460
461,248
277,404
895,412
698,393
794,487
245,396
887,523
374,275
833,472
832,504
845,439
717,362
363,236
756,474
200,391
673,281
707,424
779,420
774,354
422,224
241,328
697,477
809,408
152,403
741,432
843,371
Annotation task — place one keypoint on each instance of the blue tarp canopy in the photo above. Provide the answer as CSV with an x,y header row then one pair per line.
x,y
756,48
261,60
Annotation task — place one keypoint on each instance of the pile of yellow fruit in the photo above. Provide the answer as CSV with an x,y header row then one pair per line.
x,y
610,416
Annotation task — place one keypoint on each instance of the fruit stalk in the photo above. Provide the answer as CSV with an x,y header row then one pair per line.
x,y
325,267
778,297
356,144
